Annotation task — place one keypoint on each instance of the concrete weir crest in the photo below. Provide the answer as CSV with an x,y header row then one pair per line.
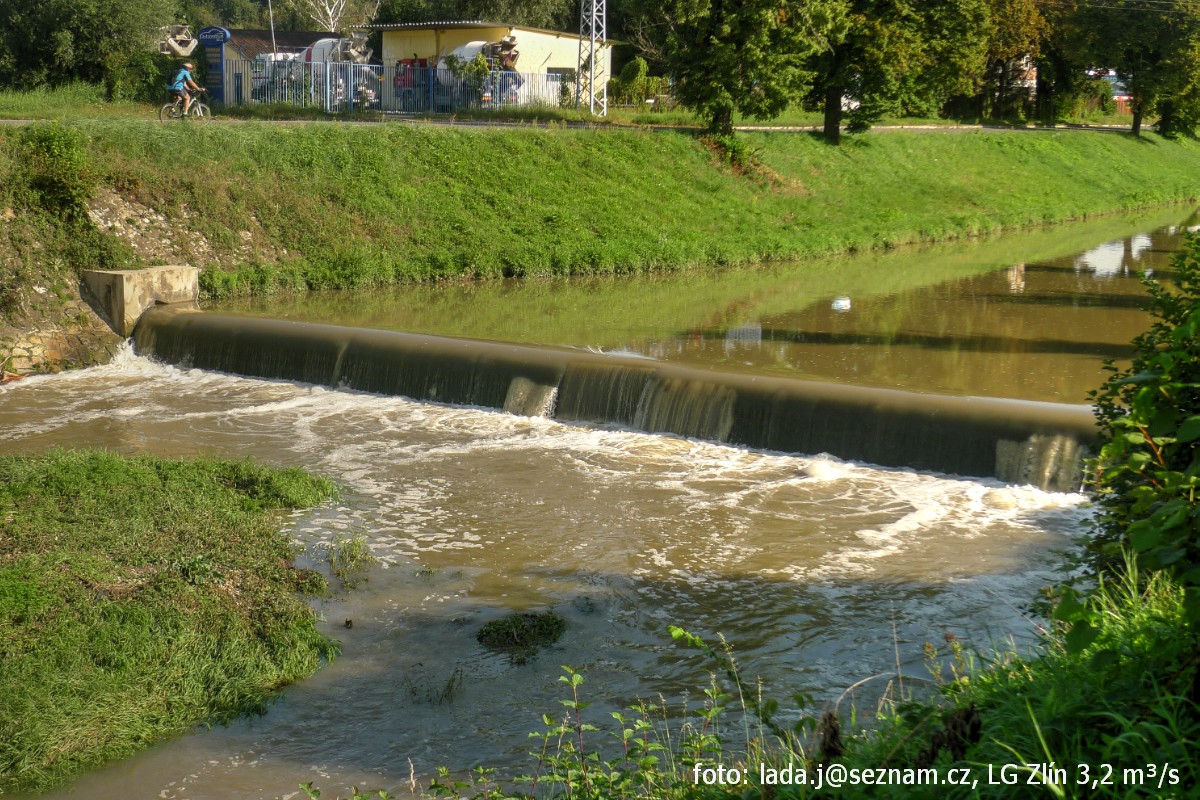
x,y
1017,441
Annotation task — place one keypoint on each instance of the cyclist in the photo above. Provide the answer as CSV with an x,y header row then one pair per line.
x,y
181,83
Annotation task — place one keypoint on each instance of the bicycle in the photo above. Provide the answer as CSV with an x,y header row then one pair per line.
x,y
198,111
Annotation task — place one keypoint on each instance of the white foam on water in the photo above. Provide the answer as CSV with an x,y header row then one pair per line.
x,y
392,454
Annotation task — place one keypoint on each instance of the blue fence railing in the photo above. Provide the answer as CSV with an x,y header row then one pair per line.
x,y
404,88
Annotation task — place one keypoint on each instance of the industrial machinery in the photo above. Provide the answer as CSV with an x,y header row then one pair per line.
x,y
332,72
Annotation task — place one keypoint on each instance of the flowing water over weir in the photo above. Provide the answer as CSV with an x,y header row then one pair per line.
x,y
820,571
1020,441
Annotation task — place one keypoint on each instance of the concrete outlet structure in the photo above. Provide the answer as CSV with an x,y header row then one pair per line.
x,y
121,295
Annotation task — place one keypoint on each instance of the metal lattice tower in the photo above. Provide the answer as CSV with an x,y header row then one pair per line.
x,y
591,84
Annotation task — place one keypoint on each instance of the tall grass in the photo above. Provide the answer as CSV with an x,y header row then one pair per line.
x,y
138,597
1121,712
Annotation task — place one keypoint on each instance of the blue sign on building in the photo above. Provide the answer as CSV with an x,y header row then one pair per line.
x,y
214,38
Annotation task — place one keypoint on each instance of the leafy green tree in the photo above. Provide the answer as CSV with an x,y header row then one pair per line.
x,y
1179,115
1155,50
744,56
899,56
1016,29
1062,61
51,42
230,13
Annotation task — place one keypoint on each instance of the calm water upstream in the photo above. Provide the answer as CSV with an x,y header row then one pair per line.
x,y
806,564
1028,315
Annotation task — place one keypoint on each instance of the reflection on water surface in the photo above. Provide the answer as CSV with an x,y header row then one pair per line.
x,y
1032,315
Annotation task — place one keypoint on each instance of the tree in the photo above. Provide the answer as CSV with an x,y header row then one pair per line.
x,y
1015,32
899,56
744,56
1179,115
52,42
229,13
1154,50
1064,59
338,15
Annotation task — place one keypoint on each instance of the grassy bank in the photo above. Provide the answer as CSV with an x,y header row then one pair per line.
x,y
139,597
266,206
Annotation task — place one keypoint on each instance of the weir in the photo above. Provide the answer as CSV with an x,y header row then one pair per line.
x,y
1042,444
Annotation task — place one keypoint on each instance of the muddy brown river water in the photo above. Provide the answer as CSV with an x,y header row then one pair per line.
x,y
820,572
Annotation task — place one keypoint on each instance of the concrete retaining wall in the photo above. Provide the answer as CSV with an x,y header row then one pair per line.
x,y
121,295
80,339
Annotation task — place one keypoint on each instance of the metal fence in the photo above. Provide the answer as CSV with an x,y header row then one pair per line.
x,y
405,88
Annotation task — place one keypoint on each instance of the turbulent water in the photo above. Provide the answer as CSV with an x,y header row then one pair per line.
x,y
819,572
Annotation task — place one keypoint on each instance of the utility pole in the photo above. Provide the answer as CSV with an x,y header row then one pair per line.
x,y
591,82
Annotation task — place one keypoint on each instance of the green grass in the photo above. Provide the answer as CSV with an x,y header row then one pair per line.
x,y
349,558
73,101
139,597
310,206
87,101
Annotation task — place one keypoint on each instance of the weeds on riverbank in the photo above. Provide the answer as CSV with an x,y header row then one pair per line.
x,y
1118,718
141,596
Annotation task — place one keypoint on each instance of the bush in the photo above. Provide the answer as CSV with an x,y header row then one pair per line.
x,y
1148,472
142,77
58,171
633,85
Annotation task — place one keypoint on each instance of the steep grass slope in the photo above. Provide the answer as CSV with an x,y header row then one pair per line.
x,y
265,206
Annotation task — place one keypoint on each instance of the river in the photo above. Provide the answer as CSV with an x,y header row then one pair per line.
x,y
819,572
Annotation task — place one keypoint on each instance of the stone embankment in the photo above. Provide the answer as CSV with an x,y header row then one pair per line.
x,y
80,338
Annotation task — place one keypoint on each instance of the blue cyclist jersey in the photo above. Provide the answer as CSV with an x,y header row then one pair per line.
x,y
181,79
